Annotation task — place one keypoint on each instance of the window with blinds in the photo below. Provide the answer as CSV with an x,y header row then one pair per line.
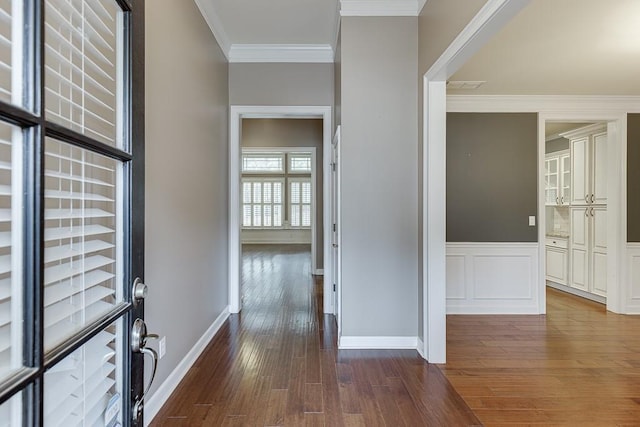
x,y
300,203
82,239
11,412
11,213
84,389
262,203
83,51
11,51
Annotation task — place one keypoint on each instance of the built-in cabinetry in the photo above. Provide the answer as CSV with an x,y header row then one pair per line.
x,y
557,259
588,230
557,189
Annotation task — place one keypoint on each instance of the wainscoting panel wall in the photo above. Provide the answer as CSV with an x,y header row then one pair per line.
x,y
633,263
493,278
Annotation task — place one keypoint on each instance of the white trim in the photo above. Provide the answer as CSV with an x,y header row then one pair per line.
x,y
312,53
491,18
585,130
535,103
236,114
318,272
162,394
377,343
214,22
380,7
493,278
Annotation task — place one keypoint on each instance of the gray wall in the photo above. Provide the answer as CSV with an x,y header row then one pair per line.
x,y
491,177
633,178
281,84
379,176
440,21
186,178
291,133
557,144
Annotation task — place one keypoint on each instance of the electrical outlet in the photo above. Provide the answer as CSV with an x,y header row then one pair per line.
x,y
162,347
532,221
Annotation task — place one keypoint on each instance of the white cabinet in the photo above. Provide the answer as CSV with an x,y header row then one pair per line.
x,y
588,241
589,249
557,260
557,178
588,165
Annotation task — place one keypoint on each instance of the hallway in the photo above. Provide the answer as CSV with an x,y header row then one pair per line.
x,y
276,364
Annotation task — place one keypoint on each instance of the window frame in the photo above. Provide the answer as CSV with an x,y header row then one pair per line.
x,y
258,154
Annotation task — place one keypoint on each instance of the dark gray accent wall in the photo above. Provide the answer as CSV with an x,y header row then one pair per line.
x,y
558,144
491,177
633,178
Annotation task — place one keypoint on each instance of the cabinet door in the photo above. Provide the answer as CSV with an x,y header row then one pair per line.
x,y
598,257
552,181
599,188
565,179
579,171
580,248
556,265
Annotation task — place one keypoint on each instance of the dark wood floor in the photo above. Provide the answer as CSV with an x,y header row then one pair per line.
x,y
276,364
577,366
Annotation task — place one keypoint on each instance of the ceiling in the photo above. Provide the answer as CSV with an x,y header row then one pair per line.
x,y
562,47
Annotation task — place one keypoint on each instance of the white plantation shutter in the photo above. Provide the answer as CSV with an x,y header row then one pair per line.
x,y
83,46
300,202
82,243
77,390
262,202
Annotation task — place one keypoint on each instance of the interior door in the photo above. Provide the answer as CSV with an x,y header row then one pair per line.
x,y
71,211
335,220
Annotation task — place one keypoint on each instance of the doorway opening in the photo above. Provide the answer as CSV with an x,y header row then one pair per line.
x,y
288,204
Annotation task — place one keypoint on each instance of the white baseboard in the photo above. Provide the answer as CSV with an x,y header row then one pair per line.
x,y
493,278
421,348
318,272
155,402
377,343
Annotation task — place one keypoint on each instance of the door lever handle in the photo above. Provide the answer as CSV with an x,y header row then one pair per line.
x,y
139,337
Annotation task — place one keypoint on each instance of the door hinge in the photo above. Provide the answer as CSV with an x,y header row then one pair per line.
x,y
333,166
334,287
334,228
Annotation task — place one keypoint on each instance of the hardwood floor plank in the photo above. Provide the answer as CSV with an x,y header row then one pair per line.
x,y
277,363
576,365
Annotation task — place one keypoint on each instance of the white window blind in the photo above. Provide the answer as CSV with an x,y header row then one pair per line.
x,y
11,412
11,54
300,202
262,203
82,239
84,389
11,308
83,48
300,162
263,162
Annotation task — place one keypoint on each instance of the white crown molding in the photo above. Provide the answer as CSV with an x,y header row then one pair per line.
x,y
585,130
311,53
380,7
541,103
215,24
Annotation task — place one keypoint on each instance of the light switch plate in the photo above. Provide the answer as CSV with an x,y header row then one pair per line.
x,y
532,221
162,347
